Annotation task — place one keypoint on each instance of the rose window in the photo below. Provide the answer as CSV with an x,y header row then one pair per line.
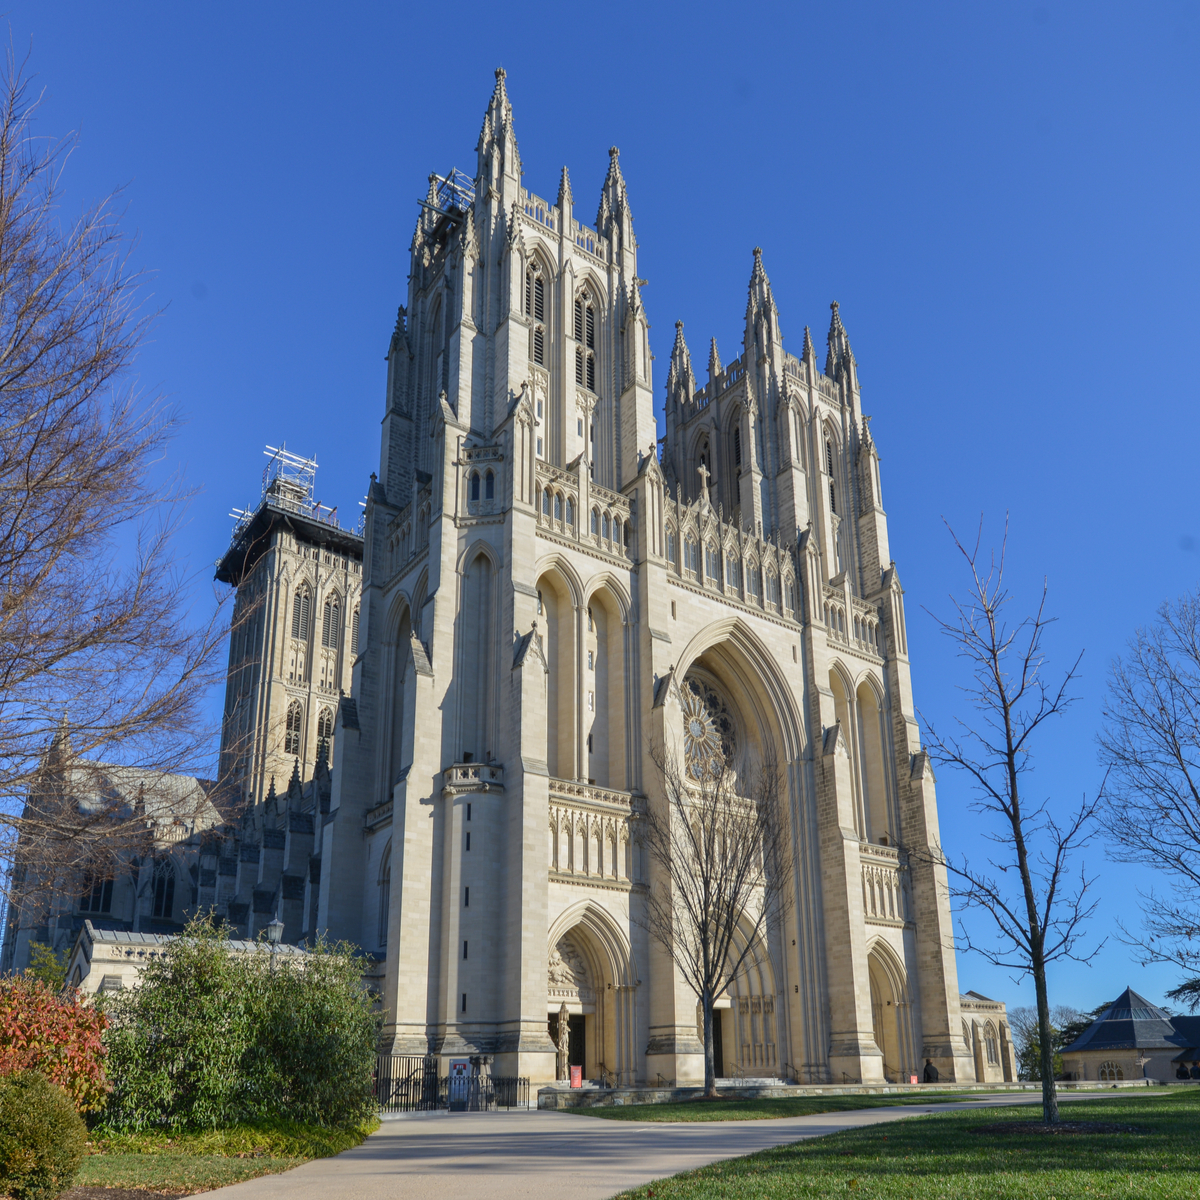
x,y
708,733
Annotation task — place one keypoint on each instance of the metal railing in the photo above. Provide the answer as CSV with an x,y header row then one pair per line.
x,y
411,1083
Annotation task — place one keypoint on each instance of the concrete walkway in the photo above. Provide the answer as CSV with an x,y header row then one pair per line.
x,y
547,1155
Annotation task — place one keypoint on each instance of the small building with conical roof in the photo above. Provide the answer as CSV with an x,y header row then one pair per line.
x,y
1133,1039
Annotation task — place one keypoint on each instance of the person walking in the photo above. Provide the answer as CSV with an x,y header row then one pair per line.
x,y
931,1072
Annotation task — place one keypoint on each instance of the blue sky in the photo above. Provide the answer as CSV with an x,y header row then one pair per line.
x,y
1002,197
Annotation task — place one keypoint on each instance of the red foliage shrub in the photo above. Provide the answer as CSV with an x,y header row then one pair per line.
x,y
58,1035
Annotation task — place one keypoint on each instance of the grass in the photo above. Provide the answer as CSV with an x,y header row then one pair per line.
x,y
940,1156
198,1161
732,1108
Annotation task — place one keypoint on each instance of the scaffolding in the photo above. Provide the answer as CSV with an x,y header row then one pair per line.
x,y
288,482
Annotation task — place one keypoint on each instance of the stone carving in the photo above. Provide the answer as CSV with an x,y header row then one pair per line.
x,y
709,740
563,1044
567,972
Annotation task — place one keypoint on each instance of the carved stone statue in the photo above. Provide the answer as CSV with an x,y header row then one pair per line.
x,y
564,1071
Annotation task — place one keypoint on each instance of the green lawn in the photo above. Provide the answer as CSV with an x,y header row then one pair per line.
x,y
730,1108
196,1162
940,1156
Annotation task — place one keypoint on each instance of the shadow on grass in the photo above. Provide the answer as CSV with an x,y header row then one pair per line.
x,y
942,1155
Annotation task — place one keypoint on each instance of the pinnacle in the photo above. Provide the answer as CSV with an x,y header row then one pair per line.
x,y
714,359
564,191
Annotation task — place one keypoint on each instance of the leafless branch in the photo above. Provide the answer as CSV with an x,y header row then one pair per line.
x,y
1151,744
1039,902
718,848
92,626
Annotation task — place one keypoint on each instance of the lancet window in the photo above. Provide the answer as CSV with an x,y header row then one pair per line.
x,y
291,735
164,889
97,892
325,731
585,336
301,612
331,623
354,631
535,309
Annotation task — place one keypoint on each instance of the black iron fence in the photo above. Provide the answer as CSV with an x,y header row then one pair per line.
x,y
411,1083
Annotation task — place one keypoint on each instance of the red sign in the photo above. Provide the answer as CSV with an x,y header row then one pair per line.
x,y
577,1077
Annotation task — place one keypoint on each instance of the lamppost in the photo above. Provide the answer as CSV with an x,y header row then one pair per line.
x,y
274,933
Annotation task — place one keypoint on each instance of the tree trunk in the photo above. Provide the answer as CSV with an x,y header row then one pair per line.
x,y
710,1074
1049,1092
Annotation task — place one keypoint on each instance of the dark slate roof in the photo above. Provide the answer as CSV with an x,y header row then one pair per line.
x,y
1130,1022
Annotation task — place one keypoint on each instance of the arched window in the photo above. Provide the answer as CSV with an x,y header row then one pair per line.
x,y
733,572
331,623
489,486
773,588
829,470
535,307
325,732
789,594
570,511
585,335
753,586
670,545
385,896
354,631
712,567
607,528
546,502
737,446
557,506
300,614
690,556
291,736
474,485
96,894
990,1044
164,889
1110,1072
595,522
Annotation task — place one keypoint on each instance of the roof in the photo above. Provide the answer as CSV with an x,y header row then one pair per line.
x,y
123,937
252,539
168,801
1130,1022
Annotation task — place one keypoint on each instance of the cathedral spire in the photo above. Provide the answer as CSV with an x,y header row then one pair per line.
x,y
499,158
681,382
761,301
564,194
614,199
839,356
809,353
714,361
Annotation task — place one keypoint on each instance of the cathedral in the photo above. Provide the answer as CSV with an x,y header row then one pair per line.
x,y
548,588
543,590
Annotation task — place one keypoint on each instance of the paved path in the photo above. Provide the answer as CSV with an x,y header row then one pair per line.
x,y
548,1155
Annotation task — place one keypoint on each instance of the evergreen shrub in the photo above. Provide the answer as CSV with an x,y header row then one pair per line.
x,y
212,1038
42,1138
55,1033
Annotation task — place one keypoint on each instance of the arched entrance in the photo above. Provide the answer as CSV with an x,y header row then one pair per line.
x,y
749,1028
590,972
891,1013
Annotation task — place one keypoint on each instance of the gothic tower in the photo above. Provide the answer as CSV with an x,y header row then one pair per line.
x,y
293,633
543,596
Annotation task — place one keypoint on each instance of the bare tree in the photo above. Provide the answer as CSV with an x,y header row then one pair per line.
x,y
92,626
1151,746
720,846
1036,904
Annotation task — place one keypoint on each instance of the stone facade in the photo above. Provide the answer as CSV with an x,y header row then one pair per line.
x,y
294,630
544,597
989,1038
547,589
